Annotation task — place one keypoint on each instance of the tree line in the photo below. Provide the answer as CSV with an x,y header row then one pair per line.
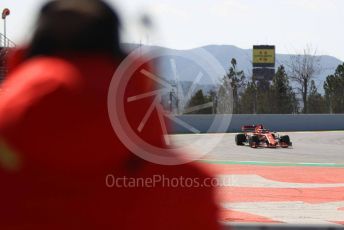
x,y
277,96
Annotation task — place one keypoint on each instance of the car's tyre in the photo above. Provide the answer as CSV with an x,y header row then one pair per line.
x,y
285,139
240,139
253,141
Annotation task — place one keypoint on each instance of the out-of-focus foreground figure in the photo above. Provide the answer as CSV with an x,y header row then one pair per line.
x,y
57,144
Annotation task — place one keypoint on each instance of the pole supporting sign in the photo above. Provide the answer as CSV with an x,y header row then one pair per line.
x,y
263,74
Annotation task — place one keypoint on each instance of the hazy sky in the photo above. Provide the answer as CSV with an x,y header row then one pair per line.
x,y
291,25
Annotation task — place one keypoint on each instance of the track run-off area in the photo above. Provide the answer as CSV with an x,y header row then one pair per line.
x,y
299,185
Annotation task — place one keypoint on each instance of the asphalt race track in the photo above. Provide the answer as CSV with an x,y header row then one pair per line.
x,y
308,147
301,185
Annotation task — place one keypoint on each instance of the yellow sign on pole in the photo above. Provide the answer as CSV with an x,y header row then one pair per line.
x,y
264,55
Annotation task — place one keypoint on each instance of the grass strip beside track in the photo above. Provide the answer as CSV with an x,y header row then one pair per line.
x,y
264,163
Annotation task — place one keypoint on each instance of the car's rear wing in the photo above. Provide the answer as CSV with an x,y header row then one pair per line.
x,y
251,128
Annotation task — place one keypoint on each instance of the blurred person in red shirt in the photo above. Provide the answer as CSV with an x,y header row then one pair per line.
x,y
57,144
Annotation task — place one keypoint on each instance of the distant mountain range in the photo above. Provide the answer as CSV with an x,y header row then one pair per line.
x,y
188,71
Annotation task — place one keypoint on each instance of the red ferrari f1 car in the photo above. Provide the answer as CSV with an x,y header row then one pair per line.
x,y
257,136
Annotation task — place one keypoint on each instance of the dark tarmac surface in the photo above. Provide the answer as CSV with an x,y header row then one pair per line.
x,y
308,147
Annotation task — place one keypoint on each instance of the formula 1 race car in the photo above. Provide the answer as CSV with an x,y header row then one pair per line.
x,y
257,136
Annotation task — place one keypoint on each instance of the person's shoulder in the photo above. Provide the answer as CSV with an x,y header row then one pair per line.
x,y
36,80
45,72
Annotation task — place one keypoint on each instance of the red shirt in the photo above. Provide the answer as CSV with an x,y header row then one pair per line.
x,y
54,120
